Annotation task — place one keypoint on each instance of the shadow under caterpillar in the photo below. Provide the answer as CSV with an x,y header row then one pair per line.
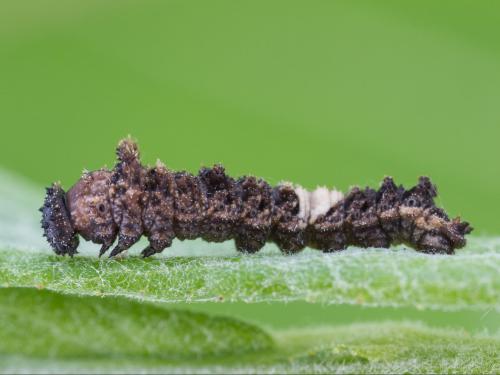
x,y
132,200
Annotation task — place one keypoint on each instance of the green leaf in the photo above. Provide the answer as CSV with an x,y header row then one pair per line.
x,y
399,348
396,277
37,323
47,332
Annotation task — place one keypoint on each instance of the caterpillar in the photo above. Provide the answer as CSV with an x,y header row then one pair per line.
x,y
132,200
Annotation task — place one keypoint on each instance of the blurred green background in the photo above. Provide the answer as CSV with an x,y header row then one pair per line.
x,y
316,92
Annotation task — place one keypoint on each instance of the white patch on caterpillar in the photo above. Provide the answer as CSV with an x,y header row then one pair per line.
x,y
316,203
319,202
304,203
335,197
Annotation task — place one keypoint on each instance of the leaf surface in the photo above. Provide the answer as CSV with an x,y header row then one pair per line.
x,y
373,277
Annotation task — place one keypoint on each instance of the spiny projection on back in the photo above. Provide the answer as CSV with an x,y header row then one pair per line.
x,y
132,200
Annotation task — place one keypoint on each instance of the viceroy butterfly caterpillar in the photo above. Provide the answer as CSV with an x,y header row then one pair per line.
x,y
132,200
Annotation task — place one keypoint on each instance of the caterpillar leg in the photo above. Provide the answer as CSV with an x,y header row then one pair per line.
x,y
155,247
124,243
149,251
127,190
104,248
158,211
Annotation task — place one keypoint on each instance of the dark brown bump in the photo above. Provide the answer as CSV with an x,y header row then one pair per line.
x,y
223,204
255,216
289,230
327,233
190,203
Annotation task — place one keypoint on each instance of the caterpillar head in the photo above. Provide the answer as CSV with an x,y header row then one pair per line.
x,y
84,210
56,222
90,208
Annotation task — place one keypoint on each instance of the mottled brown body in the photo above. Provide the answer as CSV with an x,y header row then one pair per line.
x,y
132,200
